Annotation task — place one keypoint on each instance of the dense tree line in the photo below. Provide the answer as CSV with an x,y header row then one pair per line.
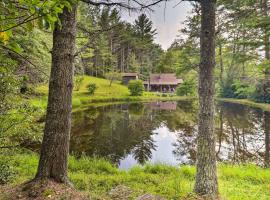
x,y
242,49
107,43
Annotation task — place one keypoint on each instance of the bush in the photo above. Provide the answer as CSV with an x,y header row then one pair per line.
x,y
91,88
78,82
164,95
262,92
236,89
136,88
242,90
6,173
186,89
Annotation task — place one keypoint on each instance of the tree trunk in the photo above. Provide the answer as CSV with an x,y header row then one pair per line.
x,y
221,65
206,178
267,138
266,49
55,145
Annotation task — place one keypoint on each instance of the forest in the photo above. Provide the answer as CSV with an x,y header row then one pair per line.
x,y
72,128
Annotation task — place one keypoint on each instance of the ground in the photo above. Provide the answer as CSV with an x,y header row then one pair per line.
x,y
104,93
98,179
49,190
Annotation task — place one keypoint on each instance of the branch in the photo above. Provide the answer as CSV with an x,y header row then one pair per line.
x,y
107,3
92,34
138,5
28,19
21,56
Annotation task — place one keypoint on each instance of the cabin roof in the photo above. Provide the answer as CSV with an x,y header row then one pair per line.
x,y
129,74
164,79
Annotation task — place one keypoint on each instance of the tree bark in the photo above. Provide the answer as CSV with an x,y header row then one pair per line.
x,y
221,64
267,138
266,49
55,144
206,178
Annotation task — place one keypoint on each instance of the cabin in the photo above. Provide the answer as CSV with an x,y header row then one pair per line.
x,y
162,82
126,77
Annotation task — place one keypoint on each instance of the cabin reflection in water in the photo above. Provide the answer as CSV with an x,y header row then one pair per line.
x,y
135,133
169,105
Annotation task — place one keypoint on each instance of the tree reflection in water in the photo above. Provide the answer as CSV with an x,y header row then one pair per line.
x,y
120,131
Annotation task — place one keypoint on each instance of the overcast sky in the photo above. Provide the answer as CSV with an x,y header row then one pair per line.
x,y
167,21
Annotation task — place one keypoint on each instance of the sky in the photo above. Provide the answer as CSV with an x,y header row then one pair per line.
x,y
167,21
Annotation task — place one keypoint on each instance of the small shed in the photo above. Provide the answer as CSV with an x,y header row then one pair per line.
x,y
162,82
126,77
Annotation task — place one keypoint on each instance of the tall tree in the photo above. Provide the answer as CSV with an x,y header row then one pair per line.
x,y
55,145
143,27
206,178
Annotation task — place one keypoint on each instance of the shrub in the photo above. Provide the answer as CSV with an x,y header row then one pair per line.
x,y
236,89
242,90
6,173
91,88
164,95
186,88
136,88
78,82
262,92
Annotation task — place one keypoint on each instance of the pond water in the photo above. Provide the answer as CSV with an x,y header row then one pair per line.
x,y
165,132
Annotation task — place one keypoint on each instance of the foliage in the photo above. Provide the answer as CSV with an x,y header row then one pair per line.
x,y
78,80
6,173
186,89
238,89
242,90
262,92
16,115
108,44
113,76
136,87
91,88
29,13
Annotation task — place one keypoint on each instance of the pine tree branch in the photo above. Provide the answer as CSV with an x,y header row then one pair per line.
x,y
22,57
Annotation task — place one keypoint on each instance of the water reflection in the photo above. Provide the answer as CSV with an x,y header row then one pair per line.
x,y
166,132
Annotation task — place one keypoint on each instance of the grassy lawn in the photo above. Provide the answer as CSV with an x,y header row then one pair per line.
x,y
104,93
263,106
97,177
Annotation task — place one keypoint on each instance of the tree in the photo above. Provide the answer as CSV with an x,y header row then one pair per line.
x,y
143,28
206,178
55,145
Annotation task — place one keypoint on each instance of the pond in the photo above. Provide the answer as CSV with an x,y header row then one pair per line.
x,y
165,132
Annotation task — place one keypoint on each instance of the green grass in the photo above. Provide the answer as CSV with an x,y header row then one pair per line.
x,y
104,93
263,106
119,93
97,177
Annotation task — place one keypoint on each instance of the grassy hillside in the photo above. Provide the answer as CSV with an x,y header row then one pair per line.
x,y
98,177
104,93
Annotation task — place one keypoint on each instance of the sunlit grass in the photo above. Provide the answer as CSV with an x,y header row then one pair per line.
x,y
247,102
97,177
104,93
